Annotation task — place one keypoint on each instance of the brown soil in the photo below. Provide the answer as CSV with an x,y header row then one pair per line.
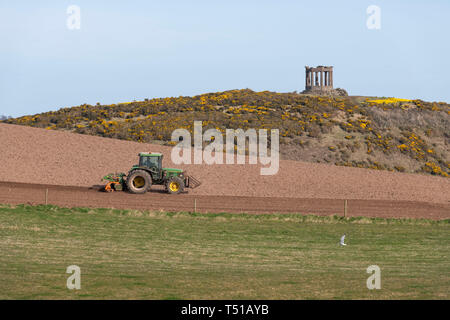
x,y
32,194
32,155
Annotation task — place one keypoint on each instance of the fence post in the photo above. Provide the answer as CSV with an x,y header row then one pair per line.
x,y
46,196
195,205
345,208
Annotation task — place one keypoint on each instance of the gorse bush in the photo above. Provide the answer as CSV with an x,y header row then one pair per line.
x,y
388,134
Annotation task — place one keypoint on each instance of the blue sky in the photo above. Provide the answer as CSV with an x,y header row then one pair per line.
x,y
131,50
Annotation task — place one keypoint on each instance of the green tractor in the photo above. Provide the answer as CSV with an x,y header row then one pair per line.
x,y
150,172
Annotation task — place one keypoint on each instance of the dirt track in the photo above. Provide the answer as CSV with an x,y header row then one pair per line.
x,y
16,193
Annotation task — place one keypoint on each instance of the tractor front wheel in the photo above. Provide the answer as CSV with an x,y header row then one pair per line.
x,y
139,181
174,185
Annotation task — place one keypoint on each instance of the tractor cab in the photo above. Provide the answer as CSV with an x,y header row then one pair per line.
x,y
153,162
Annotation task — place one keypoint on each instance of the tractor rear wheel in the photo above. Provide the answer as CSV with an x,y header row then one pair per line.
x,y
174,185
139,181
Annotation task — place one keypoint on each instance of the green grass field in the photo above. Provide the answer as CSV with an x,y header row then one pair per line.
x,y
156,255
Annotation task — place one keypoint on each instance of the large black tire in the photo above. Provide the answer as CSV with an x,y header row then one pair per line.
x,y
174,185
139,181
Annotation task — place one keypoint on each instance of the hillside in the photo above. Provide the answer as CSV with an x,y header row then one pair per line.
x,y
379,133
39,156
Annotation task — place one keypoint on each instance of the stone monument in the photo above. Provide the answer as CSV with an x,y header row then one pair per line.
x,y
319,81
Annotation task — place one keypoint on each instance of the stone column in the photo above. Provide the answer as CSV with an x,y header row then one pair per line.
x,y
306,78
331,78
321,78
326,78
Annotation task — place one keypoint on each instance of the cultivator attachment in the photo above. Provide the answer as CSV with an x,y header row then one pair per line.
x,y
115,182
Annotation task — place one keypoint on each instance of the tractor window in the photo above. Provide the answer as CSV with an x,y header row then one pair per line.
x,y
148,162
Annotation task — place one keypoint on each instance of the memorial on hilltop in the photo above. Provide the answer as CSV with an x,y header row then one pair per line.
x,y
319,81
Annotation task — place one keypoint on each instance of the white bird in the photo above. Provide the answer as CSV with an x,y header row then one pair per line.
x,y
342,240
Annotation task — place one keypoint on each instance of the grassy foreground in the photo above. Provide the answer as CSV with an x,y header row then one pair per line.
x,y
155,255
